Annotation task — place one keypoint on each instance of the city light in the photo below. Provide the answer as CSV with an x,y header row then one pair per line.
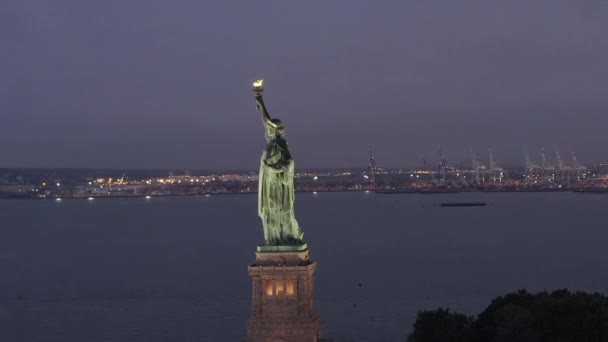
x,y
478,178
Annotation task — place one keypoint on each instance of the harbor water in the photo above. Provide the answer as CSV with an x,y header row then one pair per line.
x,y
175,268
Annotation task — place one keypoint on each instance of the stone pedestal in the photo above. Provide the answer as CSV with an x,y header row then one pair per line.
x,y
283,308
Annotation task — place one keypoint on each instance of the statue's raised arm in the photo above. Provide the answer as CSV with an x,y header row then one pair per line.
x,y
261,107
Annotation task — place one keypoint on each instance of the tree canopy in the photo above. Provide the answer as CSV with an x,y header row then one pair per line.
x,y
558,316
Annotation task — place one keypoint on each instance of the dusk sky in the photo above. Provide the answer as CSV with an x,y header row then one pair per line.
x,y
167,84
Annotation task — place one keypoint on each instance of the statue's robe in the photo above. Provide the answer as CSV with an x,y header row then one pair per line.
x,y
276,194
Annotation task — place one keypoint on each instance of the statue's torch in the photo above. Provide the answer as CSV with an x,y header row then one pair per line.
x,y
257,87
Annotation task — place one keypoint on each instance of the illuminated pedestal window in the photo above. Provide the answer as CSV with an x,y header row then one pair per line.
x,y
269,288
280,288
291,284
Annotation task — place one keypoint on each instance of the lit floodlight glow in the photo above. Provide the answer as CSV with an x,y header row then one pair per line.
x,y
91,198
258,83
58,199
148,197
316,177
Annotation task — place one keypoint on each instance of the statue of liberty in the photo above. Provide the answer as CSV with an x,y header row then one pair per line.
x,y
276,185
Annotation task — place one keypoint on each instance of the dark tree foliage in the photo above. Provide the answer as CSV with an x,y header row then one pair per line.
x,y
559,316
441,326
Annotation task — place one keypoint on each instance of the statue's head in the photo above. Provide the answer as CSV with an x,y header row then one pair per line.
x,y
274,130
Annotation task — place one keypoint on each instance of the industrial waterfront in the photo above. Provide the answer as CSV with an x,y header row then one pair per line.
x,y
544,174
81,270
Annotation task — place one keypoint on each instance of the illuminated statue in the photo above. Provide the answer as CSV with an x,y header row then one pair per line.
x,y
276,185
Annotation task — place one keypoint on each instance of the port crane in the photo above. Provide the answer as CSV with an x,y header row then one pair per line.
x,y
546,168
563,170
532,169
431,172
475,167
371,167
576,166
492,165
443,164
479,170
496,172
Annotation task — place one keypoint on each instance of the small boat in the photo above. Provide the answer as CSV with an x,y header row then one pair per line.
x,y
463,204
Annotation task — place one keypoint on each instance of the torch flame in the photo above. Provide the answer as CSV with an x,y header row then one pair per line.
x,y
258,83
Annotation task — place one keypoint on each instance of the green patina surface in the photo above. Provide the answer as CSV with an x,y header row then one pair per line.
x,y
299,248
276,184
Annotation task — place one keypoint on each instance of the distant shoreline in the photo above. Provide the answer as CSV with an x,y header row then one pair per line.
x,y
155,196
377,191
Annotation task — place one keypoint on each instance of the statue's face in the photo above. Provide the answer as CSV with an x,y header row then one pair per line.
x,y
270,133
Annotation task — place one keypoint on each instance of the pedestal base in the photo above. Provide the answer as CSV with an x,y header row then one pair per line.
x,y
280,249
282,255
283,307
